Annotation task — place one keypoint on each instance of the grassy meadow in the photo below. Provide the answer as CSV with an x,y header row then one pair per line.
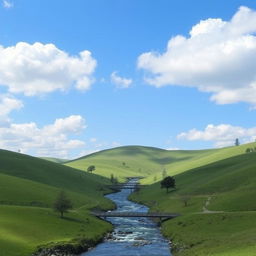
x,y
28,188
215,193
220,216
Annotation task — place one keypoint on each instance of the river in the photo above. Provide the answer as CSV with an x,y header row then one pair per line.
x,y
131,236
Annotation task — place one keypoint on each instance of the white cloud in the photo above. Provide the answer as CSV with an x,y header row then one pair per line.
x,y
173,148
120,82
222,135
218,57
38,68
50,140
7,4
8,103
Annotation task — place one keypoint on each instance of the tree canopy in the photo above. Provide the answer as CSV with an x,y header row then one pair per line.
x,y
168,182
62,204
91,168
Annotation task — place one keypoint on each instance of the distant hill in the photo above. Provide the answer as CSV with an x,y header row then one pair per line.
x,y
55,160
150,162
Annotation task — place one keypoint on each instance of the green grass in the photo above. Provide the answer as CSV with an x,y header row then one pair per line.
x,y
28,188
22,229
230,185
149,162
229,234
131,161
123,161
227,176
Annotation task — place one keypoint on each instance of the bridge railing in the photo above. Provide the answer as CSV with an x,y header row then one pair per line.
x,y
136,214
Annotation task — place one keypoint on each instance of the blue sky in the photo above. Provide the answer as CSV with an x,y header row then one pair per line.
x,y
126,87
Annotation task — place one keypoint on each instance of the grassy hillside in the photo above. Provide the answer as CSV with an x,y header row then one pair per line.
x,y
150,162
22,229
130,161
186,160
28,188
221,210
218,185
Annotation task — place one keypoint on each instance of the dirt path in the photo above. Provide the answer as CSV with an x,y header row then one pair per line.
x,y
205,209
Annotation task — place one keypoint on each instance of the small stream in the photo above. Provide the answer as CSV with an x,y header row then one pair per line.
x,y
131,236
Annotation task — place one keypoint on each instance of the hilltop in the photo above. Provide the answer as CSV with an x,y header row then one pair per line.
x,y
150,162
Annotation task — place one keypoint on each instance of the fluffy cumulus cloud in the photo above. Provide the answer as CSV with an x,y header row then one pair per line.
x,y
218,56
120,82
38,68
49,140
222,135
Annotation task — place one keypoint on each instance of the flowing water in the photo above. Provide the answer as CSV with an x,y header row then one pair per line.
x,y
131,236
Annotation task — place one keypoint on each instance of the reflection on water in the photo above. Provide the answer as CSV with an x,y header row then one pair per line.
x,y
131,236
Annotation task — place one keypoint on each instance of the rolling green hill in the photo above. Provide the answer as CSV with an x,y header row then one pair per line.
x,y
221,209
28,188
123,161
150,162
217,184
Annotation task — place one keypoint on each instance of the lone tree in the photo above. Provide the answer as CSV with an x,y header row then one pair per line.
x,y
113,179
62,204
185,199
168,182
91,168
248,150
237,142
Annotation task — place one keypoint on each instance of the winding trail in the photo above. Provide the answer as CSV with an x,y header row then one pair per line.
x,y
207,203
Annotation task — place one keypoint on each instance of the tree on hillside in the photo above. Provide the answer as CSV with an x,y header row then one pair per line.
x,y
248,150
91,168
185,199
62,204
237,143
113,179
168,182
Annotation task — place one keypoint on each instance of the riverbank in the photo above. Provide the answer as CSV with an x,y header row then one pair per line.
x,y
199,232
72,248
131,235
